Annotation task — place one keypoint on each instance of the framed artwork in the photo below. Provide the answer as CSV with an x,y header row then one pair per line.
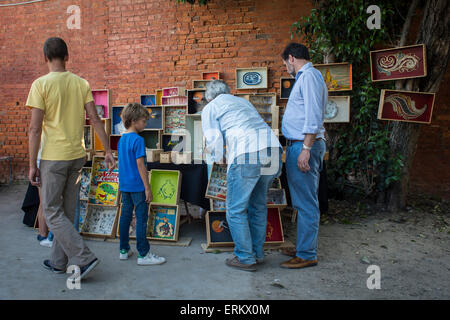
x,y
174,101
218,205
274,229
212,75
104,187
172,142
337,76
101,101
200,84
173,91
148,99
409,106
251,78
286,85
398,63
276,198
217,231
88,138
151,138
174,119
165,186
217,184
196,100
194,128
100,221
85,182
155,121
132,233
163,222
337,109
158,94
83,210
117,125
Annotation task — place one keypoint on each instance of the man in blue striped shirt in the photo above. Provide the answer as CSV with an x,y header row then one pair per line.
x,y
302,126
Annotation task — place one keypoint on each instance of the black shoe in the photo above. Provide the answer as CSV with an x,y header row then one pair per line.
x,y
47,265
88,268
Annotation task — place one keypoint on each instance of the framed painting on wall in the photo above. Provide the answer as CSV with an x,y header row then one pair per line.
x,y
337,76
337,109
286,85
409,106
251,78
398,63
212,75
101,101
196,100
155,120
174,119
148,99
151,138
104,187
117,125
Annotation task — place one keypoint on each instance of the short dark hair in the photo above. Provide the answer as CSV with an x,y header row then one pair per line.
x,y
296,50
55,48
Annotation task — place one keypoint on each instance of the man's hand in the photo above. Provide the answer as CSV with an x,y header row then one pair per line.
x,y
303,161
148,195
110,162
34,175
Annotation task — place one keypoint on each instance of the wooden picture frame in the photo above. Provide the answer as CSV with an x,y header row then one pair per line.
x,y
286,85
211,75
218,233
165,186
337,109
117,127
88,138
148,99
217,205
195,136
104,186
173,92
83,211
174,101
102,97
398,63
196,100
100,221
175,119
152,138
156,119
85,182
274,228
276,198
337,76
407,106
163,222
200,84
217,183
173,142
251,78
158,94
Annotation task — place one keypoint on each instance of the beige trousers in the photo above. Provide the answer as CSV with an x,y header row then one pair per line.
x,y
60,183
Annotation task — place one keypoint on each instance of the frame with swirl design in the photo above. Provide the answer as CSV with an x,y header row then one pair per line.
x,y
399,63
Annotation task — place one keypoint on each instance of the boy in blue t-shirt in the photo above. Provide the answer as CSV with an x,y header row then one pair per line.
x,y
134,185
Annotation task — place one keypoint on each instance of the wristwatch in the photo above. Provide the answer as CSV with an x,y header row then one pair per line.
x,y
306,147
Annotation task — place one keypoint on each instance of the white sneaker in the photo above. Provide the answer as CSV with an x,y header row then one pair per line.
x,y
124,255
46,243
150,259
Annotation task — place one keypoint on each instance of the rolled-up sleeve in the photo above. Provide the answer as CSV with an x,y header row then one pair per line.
x,y
212,133
314,101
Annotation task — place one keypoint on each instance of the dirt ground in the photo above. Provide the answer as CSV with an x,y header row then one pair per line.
x,y
410,248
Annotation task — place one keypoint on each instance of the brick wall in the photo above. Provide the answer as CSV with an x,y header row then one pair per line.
x,y
135,46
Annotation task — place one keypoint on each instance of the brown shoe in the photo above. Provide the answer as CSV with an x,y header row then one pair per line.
x,y
297,263
291,252
235,263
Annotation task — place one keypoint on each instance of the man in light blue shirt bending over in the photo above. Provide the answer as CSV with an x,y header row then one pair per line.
x,y
302,126
253,159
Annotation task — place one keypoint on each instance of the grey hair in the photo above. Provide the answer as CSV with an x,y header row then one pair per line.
x,y
215,88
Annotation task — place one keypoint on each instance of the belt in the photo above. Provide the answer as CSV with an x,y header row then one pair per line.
x,y
291,142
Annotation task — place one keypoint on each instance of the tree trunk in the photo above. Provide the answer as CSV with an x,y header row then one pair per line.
x,y
434,33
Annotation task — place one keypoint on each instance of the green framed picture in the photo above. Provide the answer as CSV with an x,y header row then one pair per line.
x,y
165,186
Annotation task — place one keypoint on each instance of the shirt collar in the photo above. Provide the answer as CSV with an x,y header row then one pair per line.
x,y
303,69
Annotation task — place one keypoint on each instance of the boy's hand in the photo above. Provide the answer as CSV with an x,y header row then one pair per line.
x,y
148,195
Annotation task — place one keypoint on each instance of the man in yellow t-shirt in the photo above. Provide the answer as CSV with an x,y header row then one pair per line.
x,y
58,102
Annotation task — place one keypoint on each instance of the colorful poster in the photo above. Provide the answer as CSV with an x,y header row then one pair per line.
x,y
337,76
217,186
104,188
162,222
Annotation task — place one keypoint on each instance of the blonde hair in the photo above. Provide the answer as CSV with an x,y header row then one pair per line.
x,y
133,112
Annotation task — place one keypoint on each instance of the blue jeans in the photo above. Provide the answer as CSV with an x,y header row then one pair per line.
x,y
136,200
304,188
247,187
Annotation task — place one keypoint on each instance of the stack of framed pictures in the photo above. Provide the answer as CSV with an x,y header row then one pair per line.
x,y
164,216
103,200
